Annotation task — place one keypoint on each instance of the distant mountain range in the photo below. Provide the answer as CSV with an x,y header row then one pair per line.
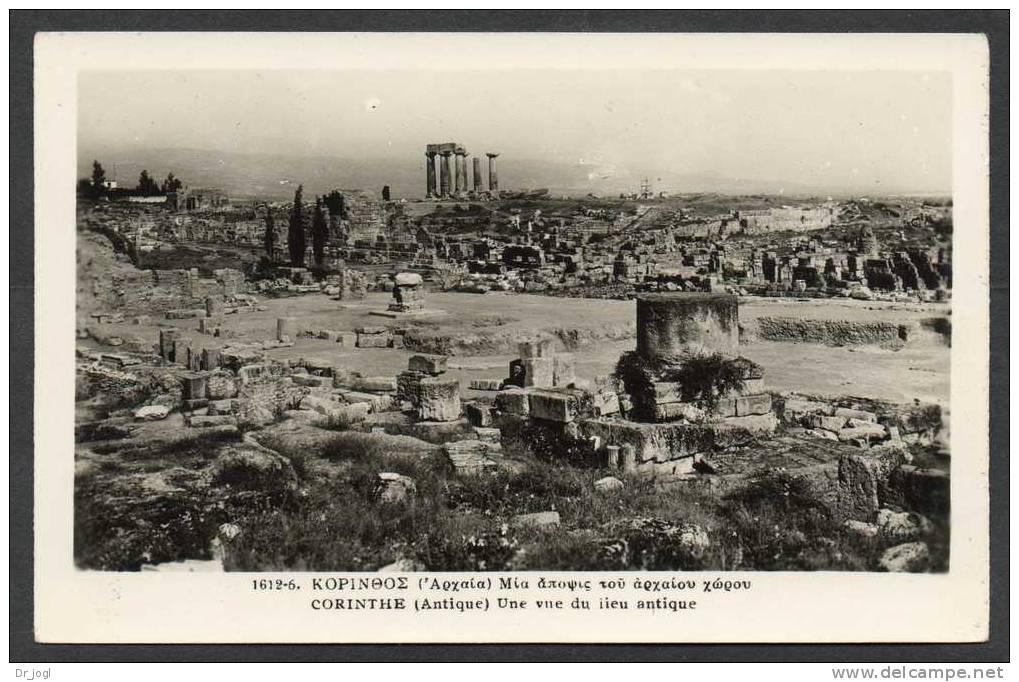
x,y
271,176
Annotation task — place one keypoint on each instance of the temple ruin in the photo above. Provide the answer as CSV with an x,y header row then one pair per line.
x,y
453,181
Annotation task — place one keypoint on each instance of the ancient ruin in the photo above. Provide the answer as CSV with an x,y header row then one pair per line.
x,y
563,376
453,181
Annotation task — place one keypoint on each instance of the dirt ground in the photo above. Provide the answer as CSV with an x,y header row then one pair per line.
x,y
919,370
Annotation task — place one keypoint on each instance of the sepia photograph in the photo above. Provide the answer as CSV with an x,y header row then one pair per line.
x,y
461,338
474,321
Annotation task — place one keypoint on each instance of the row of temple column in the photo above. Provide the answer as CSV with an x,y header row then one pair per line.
x,y
453,181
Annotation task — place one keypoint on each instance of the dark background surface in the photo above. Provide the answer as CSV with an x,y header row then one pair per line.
x,y
23,25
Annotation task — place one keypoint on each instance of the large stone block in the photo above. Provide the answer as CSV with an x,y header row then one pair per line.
x,y
554,406
666,392
471,457
439,399
374,384
538,348
671,325
181,347
286,329
478,414
429,364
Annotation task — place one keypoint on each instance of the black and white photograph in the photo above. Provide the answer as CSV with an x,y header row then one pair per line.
x,y
408,321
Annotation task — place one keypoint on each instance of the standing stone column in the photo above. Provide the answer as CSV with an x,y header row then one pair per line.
x,y
430,174
462,169
671,325
444,174
477,174
493,176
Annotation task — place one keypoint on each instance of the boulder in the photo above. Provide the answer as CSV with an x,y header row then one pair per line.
x,y
910,557
254,469
407,279
902,524
439,399
151,412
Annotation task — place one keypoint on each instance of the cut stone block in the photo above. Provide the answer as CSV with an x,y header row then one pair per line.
x,y
818,421
181,345
471,457
855,414
210,358
871,433
671,325
439,399
485,385
753,404
677,411
374,384
408,386
347,339
666,392
796,408
193,386
286,329
488,434
553,406
478,414
537,520
311,380
606,404
205,421
563,369
374,340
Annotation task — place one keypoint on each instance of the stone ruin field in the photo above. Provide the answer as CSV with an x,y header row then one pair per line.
x,y
425,427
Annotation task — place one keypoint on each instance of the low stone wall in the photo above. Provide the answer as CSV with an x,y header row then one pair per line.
x,y
828,332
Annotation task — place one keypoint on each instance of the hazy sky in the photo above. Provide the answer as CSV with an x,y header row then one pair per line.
x,y
833,128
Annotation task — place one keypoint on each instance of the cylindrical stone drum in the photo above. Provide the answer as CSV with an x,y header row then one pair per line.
x,y
672,325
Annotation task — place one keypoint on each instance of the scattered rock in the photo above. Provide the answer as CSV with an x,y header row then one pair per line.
x,y
395,488
543,519
608,484
902,524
